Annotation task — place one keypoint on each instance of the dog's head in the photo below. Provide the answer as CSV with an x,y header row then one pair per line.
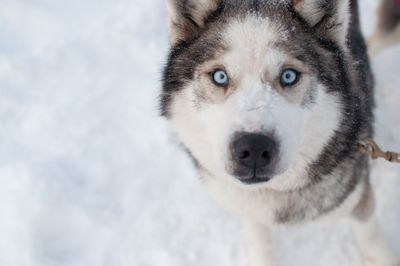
x,y
253,87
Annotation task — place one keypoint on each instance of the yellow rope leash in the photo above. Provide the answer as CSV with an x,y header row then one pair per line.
x,y
370,148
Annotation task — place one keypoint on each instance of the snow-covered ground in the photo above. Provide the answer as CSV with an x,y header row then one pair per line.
x,y
90,175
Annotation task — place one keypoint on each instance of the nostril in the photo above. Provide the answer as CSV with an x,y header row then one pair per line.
x,y
244,155
265,155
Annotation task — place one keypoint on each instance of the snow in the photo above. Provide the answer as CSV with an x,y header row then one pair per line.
x,y
91,175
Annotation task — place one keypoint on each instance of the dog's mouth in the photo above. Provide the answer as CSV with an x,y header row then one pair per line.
x,y
255,180
253,176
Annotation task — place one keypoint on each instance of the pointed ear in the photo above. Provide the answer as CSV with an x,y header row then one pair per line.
x,y
187,17
330,18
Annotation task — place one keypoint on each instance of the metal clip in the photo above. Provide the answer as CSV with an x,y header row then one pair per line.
x,y
372,149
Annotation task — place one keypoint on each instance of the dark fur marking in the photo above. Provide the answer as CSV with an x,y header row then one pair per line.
x,y
357,100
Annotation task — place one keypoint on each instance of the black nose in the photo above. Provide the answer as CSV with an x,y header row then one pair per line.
x,y
254,154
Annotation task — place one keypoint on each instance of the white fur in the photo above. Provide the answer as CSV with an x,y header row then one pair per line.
x,y
259,244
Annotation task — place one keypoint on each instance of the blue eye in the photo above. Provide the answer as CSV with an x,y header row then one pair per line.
x,y
220,78
289,77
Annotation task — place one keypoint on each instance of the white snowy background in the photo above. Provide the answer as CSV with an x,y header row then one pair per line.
x,y
91,175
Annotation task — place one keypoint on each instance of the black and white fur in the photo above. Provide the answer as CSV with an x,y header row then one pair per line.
x,y
317,172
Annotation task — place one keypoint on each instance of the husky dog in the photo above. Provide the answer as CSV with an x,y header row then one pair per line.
x,y
270,98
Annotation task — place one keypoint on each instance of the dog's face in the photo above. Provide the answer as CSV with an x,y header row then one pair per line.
x,y
251,89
